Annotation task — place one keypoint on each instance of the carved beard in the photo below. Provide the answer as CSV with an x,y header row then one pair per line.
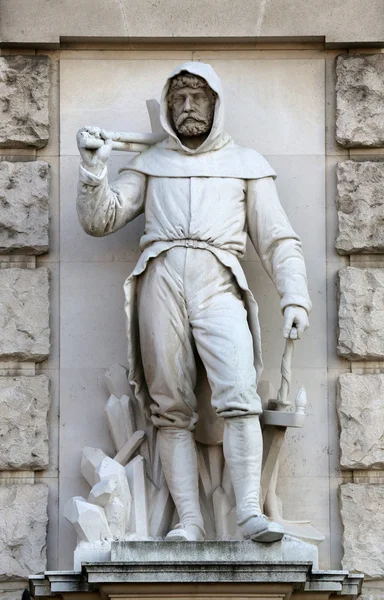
x,y
191,125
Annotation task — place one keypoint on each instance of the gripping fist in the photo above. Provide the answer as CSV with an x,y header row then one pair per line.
x,y
94,160
295,322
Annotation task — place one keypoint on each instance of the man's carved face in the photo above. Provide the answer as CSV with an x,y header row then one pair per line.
x,y
192,104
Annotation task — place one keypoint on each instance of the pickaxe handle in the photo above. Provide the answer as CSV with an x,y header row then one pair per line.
x,y
128,142
286,374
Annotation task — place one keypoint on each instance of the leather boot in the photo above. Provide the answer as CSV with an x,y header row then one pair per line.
x,y
243,451
179,461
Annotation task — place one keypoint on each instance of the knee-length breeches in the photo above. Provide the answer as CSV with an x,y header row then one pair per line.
x,y
187,302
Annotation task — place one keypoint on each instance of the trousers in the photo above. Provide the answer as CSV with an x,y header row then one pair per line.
x,y
188,303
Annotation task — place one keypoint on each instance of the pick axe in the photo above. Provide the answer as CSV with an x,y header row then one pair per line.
x,y
277,418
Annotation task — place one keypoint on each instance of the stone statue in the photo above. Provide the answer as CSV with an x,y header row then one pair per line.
x,y
187,300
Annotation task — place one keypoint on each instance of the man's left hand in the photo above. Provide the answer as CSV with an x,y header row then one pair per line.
x,y
295,322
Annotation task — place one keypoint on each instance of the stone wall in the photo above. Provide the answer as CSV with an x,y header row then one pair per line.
x,y
318,120
360,204
26,457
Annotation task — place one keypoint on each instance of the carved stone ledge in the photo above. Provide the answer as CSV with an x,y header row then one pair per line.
x,y
199,569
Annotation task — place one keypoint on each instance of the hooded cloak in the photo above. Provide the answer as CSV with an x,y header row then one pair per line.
x,y
217,156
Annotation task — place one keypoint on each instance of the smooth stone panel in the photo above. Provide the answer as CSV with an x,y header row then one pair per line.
x,y
82,423
275,106
311,349
24,404
44,21
307,499
23,523
361,415
118,104
361,313
363,520
360,203
92,314
24,201
359,100
305,452
350,21
24,91
202,18
24,314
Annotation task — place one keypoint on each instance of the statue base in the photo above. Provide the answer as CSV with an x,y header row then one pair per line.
x,y
288,550
215,552
156,570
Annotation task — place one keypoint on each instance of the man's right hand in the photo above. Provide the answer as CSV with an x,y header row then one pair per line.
x,y
94,160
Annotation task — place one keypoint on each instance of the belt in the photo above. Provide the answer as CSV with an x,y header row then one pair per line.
x,y
186,243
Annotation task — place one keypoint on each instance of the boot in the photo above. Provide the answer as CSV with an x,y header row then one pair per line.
x,y
179,461
243,451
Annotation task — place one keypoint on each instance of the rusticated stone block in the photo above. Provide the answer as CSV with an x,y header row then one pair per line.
x,y
363,519
24,96
8,591
24,200
361,314
368,594
359,100
24,404
23,526
361,415
24,314
360,203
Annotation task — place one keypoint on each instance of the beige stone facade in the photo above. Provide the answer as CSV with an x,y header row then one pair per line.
x,y
315,118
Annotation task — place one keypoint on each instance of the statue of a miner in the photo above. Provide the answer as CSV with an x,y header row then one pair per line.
x,y
201,195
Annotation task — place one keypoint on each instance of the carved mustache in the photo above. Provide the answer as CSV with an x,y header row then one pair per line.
x,y
184,116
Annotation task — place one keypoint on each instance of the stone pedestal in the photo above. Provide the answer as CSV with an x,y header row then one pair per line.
x,y
221,570
211,554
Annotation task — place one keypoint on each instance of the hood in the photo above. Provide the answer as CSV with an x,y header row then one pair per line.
x,y
218,155
217,137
